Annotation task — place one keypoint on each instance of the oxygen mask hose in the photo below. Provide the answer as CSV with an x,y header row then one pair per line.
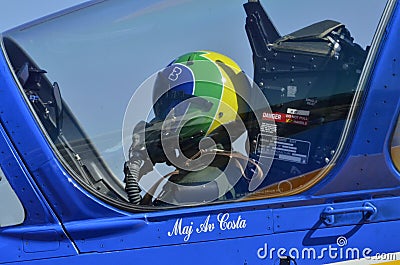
x,y
132,168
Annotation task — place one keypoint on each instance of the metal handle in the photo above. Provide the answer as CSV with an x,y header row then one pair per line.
x,y
368,210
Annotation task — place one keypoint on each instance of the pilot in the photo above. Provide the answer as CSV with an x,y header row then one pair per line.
x,y
201,106
203,103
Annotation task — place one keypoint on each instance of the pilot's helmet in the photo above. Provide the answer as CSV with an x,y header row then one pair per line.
x,y
198,92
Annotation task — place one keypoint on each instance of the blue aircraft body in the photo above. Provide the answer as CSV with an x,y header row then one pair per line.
x,y
194,132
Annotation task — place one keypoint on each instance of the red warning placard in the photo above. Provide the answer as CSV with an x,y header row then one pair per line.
x,y
285,118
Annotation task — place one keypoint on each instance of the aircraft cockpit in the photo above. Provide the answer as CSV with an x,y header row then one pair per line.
x,y
147,106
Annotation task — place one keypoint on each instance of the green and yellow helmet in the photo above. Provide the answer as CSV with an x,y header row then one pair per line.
x,y
200,91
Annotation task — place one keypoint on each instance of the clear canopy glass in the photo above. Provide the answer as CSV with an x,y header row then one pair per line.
x,y
99,64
